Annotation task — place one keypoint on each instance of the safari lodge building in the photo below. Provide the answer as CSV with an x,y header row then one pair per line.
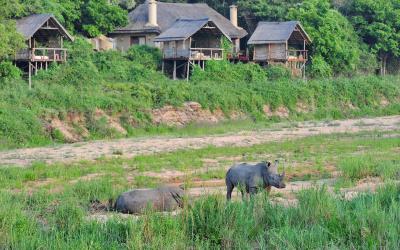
x,y
187,34
281,43
44,37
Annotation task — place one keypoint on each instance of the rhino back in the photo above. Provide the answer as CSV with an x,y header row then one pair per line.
x,y
243,173
136,201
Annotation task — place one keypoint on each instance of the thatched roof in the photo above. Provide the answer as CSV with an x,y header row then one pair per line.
x,y
185,28
29,25
278,32
169,13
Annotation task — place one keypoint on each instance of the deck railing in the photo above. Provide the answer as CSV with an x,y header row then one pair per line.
x,y
297,55
206,53
193,53
49,54
42,54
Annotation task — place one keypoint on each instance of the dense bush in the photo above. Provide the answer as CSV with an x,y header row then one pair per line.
x,y
124,82
276,72
9,72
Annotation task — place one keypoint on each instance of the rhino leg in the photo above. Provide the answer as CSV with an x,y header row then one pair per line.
x,y
253,191
243,194
229,189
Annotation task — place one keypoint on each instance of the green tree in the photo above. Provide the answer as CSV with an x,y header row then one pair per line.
x,y
10,40
90,17
268,10
377,23
99,17
334,39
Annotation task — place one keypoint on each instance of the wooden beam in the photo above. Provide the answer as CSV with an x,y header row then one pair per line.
x,y
174,72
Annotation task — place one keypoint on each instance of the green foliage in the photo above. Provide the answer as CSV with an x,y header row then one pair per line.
x,y
149,57
319,67
10,9
275,72
100,17
368,221
362,167
268,10
129,83
334,39
8,71
10,40
89,17
376,23
227,72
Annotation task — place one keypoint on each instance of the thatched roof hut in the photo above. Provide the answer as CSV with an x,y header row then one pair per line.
x,y
152,18
281,42
279,32
41,25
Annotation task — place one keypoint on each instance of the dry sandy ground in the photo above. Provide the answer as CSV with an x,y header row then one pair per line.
x,y
133,147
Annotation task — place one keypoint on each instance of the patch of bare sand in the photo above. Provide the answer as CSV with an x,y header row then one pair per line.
x,y
133,147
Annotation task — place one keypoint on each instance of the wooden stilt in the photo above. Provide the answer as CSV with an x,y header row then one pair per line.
x,y
174,73
162,66
188,70
36,66
30,75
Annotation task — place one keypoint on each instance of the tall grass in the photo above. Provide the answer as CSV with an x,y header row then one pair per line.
x,y
49,206
320,220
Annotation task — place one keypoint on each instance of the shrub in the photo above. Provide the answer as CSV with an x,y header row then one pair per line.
x,y
319,67
147,56
8,71
275,72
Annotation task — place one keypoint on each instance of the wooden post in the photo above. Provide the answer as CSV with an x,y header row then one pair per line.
x,y
36,66
30,74
174,72
162,66
269,52
188,70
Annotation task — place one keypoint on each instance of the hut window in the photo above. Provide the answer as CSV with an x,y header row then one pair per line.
x,y
135,40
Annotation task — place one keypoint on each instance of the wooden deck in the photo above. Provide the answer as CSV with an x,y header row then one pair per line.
x,y
285,56
193,54
42,55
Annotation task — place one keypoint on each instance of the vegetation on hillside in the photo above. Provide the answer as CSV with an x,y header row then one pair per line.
x,y
130,83
122,83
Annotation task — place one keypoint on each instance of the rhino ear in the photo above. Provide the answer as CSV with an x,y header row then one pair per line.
x,y
274,168
268,164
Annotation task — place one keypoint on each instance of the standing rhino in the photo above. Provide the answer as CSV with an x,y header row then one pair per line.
x,y
160,199
253,177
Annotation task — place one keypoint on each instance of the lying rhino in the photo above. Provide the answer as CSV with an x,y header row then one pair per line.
x,y
253,177
160,199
